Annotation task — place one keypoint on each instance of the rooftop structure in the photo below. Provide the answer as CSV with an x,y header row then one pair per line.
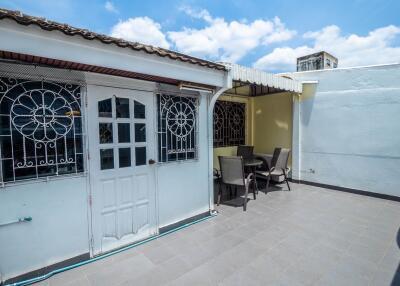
x,y
317,61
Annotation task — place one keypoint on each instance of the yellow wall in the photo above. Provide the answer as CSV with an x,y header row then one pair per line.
x,y
231,151
272,122
268,124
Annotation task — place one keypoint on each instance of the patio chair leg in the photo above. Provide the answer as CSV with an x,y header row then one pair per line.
x,y
219,194
266,188
245,198
286,179
254,190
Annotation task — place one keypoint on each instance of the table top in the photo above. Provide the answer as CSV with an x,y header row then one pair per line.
x,y
252,162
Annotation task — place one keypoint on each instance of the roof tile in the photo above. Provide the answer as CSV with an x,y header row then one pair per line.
x,y
48,25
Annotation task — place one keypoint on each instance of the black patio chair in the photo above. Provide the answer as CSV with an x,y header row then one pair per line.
x,y
245,151
278,166
232,174
217,179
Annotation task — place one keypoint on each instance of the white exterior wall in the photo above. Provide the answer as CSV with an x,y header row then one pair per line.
x,y
183,186
59,208
58,230
349,128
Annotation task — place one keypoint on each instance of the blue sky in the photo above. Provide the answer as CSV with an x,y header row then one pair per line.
x,y
264,34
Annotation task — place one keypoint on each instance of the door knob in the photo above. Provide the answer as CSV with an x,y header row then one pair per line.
x,y
151,161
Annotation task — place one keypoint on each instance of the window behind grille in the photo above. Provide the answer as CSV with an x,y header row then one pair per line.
x,y
177,127
229,123
41,129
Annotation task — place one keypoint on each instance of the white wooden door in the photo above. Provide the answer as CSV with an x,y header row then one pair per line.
x,y
121,144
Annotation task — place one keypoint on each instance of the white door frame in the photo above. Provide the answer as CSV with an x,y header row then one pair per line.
x,y
120,84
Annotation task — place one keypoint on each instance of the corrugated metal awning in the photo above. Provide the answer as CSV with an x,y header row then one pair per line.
x,y
250,75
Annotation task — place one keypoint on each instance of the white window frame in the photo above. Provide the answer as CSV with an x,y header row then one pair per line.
x,y
196,99
31,76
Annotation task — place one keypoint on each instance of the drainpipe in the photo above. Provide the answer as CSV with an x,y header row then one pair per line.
x,y
210,135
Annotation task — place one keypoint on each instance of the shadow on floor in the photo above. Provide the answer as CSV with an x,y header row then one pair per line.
x,y
396,278
235,198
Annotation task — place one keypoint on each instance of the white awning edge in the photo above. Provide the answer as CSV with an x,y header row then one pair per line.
x,y
246,74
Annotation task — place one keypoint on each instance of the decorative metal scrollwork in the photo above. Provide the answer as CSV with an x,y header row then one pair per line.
x,y
42,115
181,118
177,128
42,128
229,123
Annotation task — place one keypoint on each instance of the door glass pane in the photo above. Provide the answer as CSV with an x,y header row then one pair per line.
x,y
124,133
105,109
106,159
140,132
124,157
105,133
140,153
140,110
122,105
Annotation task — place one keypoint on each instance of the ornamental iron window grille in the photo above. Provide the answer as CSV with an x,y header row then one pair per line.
x,y
229,123
177,127
40,129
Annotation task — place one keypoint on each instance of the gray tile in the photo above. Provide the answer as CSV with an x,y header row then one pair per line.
x,y
79,282
242,254
43,283
263,270
125,255
210,273
197,255
390,262
371,254
97,266
239,279
159,254
309,236
223,243
355,267
334,279
287,280
65,278
163,273
120,272
386,278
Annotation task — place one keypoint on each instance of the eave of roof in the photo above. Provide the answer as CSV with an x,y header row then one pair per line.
x,y
68,30
61,64
249,75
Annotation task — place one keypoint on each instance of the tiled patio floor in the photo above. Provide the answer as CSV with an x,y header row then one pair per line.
x,y
309,236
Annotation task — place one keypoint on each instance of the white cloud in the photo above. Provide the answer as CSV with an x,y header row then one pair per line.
x,y
227,41
282,59
141,29
280,34
351,50
197,14
110,7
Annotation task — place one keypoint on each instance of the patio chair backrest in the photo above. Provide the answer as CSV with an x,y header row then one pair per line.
x,y
245,151
282,161
266,159
275,156
232,171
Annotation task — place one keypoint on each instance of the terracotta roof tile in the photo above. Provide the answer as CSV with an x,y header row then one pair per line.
x,y
48,25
